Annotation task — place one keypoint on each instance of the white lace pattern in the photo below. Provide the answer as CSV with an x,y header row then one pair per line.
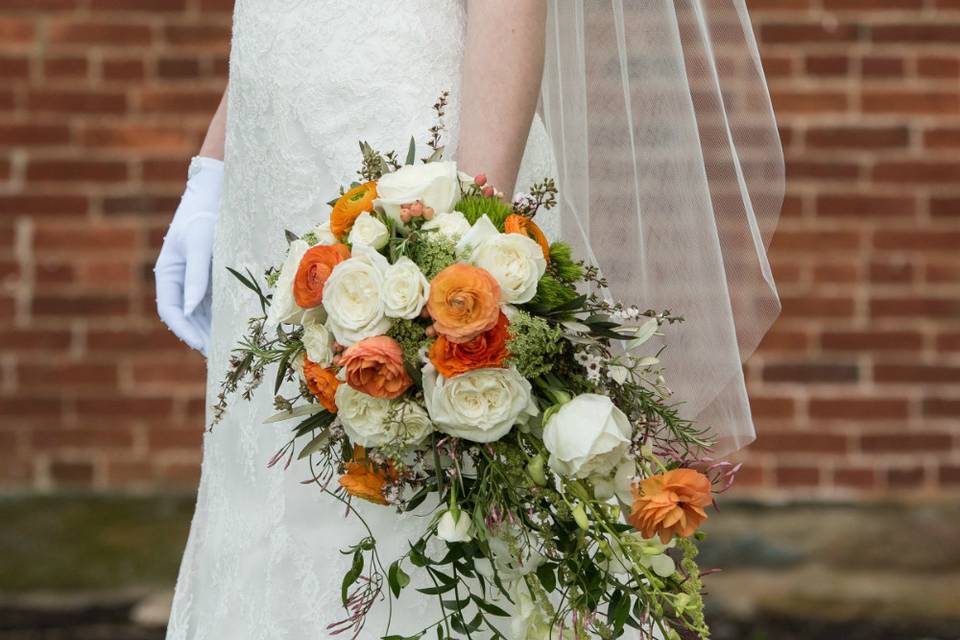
x,y
308,78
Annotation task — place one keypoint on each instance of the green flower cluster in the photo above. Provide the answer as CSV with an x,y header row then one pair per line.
x,y
562,265
474,207
534,344
552,292
432,253
411,336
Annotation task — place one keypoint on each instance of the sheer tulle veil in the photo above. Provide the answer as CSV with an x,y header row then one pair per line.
x,y
670,172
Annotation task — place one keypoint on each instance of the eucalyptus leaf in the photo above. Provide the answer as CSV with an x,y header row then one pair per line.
x,y
296,412
411,151
643,333
315,445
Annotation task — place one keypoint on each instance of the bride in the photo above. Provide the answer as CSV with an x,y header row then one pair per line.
x,y
631,95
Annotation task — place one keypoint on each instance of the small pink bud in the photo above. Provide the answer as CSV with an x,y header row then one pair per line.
x,y
431,332
416,209
405,216
480,179
428,213
488,191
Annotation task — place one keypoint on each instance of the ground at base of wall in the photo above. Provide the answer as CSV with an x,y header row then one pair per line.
x,y
102,567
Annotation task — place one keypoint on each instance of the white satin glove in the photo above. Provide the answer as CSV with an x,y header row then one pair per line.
x,y
182,270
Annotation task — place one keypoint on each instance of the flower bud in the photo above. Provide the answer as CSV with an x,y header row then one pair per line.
x,y
535,469
580,516
480,179
488,192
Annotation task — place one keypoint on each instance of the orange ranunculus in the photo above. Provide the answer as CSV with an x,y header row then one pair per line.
x,y
464,302
375,367
489,349
315,267
671,503
365,480
322,383
349,206
525,226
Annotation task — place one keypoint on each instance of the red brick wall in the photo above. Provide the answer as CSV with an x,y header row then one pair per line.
x,y
103,101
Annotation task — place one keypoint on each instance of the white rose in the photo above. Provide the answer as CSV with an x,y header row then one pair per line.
x,y
515,261
454,529
363,417
481,231
587,436
480,405
433,183
317,340
413,424
283,306
405,290
324,235
353,297
452,224
368,230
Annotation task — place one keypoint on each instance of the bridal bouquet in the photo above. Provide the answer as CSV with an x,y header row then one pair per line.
x,y
446,355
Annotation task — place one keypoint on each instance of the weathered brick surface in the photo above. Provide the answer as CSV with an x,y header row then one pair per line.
x,y
856,389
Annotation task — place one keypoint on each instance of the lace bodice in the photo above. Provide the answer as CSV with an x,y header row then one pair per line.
x,y
308,78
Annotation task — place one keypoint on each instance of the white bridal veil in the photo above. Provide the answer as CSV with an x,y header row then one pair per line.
x,y
671,179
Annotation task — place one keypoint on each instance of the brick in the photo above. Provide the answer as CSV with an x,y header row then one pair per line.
x,y
63,307
811,373
789,476
66,68
816,307
916,373
856,477
66,375
44,205
33,134
942,138
919,33
71,31
910,102
905,477
181,101
139,205
72,474
137,138
801,442
875,340
917,171
792,33
128,406
82,439
79,170
123,69
928,307
860,409
164,6
76,101
858,137
16,32
934,239
14,67
197,35
941,407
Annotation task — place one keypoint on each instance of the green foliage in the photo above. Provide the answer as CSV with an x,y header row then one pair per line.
x,y
534,344
474,207
552,292
432,253
562,265
411,336
693,586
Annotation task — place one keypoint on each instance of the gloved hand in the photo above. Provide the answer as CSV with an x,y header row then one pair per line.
x,y
182,270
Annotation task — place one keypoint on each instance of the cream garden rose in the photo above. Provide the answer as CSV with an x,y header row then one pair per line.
x,y
451,224
433,183
324,235
481,405
363,417
515,261
405,290
587,436
283,307
368,230
353,297
317,339
411,423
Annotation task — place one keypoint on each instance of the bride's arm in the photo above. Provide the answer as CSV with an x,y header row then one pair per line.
x,y
212,146
502,68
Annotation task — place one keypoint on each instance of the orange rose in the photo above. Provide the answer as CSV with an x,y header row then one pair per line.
x,y
349,206
464,302
375,367
322,383
526,227
315,267
364,480
489,349
671,504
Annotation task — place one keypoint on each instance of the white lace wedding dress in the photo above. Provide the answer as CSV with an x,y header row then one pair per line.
x,y
308,78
